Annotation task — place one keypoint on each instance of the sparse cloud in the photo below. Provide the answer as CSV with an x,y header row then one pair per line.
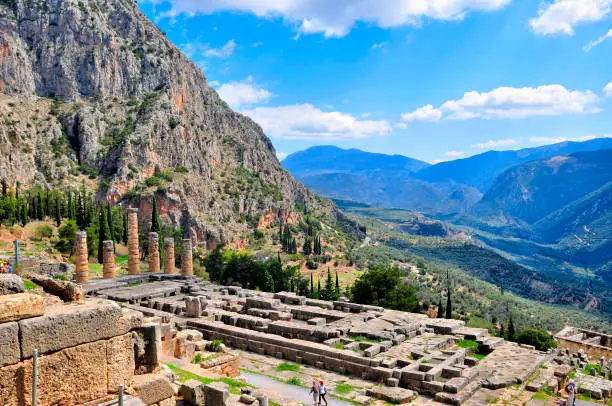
x,y
224,51
561,16
556,140
401,126
454,154
425,113
337,18
514,103
598,41
608,90
494,144
257,44
244,93
213,83
281,155
366,115
305,121
380,45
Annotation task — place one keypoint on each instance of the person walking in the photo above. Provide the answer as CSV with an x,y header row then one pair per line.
x,y
314,389
571,388
322,392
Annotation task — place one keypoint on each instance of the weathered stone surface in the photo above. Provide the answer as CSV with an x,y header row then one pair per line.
x,y
152,388
66,290
21,306
392,395
120,356
216,393
10,283
9,344
192,392
67,326
153,343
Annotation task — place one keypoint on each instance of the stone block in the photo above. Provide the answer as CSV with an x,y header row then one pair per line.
x,y
563,370
392,382
21,306
433,387
372,350
10,283
68,326
454,385
216,393
9,347
151,334
152,388
247,399
192,392
317,321
120,357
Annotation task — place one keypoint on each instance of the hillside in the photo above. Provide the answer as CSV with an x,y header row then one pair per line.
x,y
481,170
93,91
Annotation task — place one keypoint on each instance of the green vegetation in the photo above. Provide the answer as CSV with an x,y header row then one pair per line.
x,y
183,376
362,339
196,358
343,388
215,344
384,286
539,339
287,367
589,367
294,381
473,345
29,285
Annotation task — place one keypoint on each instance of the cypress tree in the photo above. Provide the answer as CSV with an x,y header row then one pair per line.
x,y
40,214
47,204
103,234
440,308
58,216
125,231
17,186
4,188
156,228
311,284
511,331
337,284
292,285
24,213
307,247
109,220
319,285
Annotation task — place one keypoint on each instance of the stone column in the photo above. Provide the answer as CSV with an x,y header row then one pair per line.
x,y
153,252
186,258
133,252
82,258
108,259
169,255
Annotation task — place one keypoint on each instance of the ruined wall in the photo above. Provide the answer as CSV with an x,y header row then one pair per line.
x,y
86,351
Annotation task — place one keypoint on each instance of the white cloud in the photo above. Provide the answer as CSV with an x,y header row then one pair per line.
x,y
608,90
336,18
366,115
379,45
257,44
454,154
281,155
561,16
245,93
512,103
401,126
598,41
556,140
425,113
223,52
213,83
494,144
304,121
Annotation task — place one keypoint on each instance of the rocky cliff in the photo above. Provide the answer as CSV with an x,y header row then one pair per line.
x,y
94,89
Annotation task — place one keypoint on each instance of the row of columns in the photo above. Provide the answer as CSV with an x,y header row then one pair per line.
x,y
108,266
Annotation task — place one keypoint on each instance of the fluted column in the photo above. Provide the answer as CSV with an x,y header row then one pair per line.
x,y
186,258
133,252
153,252
108,256
169,255
82,257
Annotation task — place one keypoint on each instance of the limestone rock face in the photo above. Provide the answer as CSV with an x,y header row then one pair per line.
x,y
94,87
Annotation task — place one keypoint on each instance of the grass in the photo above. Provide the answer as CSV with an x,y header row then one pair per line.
x,y
29,285
539,396
294,381
287,367
196,359
471,344
343,388
589,367
363,339
479,356
183,376
338,346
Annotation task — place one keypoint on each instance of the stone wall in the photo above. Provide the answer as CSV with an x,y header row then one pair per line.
x,y
86,351
593,344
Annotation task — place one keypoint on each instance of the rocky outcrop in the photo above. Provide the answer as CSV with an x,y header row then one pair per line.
x,y
94,88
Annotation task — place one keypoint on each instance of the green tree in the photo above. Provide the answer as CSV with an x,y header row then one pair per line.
x,y
384,286
337,284
125,229
214,264
307,246
40,214
111,225
156,228
67,236
329,293
449,304
58,216
4,188
539,339
511,331
103,234
311,284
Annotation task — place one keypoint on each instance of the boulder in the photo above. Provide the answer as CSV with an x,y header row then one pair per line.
x,y
68,291
21,306
10,283
192,392
152,388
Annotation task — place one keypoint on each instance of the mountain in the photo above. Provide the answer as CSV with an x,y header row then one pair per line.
x,y
534,190
480,171
377,179
93,92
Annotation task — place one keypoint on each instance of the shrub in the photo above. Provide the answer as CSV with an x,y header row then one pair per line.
x,y
539,339
294,381
60,276
285,366
196,359
43,231
181,169
173,123
153,181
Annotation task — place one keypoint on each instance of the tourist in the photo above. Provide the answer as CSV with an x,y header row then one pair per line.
x,y
571,390
315,392
322,392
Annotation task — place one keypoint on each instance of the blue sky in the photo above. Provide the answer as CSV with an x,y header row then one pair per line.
x,y
434,80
